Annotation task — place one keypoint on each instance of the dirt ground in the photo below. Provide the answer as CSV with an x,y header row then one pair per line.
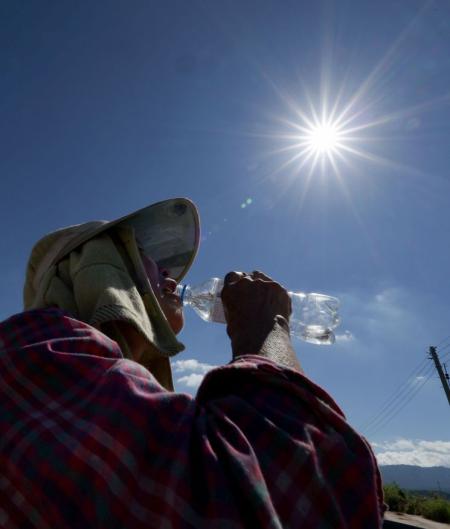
x,y
414,521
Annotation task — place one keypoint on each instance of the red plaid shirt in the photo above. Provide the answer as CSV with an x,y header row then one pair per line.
x,y
90,439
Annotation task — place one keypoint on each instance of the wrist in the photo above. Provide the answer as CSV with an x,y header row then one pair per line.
x,y
271,341
249,338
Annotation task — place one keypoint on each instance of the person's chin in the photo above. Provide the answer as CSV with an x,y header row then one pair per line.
x,y
176,323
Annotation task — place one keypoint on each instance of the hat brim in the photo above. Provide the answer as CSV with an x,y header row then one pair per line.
x,y
168,232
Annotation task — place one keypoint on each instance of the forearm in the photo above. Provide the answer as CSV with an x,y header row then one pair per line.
x,y
271,341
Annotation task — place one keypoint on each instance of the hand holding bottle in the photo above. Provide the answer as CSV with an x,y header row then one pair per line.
x,y
253,300
257,310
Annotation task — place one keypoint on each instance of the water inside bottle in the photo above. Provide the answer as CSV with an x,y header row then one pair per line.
x,y
206,301
318,334
209,307
203,303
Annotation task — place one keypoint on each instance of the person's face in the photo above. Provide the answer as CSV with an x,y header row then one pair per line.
x,y
164,288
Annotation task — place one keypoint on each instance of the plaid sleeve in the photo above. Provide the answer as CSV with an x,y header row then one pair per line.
x,y
90,439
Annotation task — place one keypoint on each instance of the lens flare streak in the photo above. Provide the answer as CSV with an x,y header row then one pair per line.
x,y
317,139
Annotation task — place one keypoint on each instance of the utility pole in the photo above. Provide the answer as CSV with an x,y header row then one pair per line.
x,y
442,376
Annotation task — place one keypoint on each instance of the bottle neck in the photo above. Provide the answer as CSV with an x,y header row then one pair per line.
x,y
184,292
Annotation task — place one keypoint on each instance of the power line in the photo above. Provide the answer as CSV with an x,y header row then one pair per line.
x,y
446,355
443,346
407,398
390,417
404,393
413,384
445,349
444,340
398,393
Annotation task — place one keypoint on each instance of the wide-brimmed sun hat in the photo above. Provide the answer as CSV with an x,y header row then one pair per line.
x,y
167,231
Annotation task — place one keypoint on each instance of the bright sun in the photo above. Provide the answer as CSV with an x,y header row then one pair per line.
x,y
324,135
323,138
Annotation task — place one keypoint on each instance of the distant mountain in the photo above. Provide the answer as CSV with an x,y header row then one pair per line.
x,y
417,478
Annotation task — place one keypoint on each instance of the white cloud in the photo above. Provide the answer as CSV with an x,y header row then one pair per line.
x,y
413,452
180,366
401,445
192,381
390,306
347,336
190,372
379,321
438,446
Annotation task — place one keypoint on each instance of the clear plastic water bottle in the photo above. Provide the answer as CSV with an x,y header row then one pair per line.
x,y
313,318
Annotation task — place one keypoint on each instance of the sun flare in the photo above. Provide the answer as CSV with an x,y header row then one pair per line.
x,y
326,135
320,140
324,138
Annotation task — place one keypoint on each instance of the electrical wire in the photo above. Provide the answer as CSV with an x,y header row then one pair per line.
x,y
443,346
397,394
444,340
406,399
405,393
446,355
445,349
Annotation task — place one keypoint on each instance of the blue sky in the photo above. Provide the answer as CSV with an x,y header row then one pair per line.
x,y
109,106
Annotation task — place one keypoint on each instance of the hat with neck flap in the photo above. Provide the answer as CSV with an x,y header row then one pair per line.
x,y
95,272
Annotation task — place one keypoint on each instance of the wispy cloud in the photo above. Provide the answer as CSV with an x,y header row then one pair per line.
x,y
190,373
375,319
413,452
378,320
346,336
191,364
385,311
191,381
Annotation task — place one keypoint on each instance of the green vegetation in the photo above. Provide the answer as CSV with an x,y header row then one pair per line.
x,y
432,507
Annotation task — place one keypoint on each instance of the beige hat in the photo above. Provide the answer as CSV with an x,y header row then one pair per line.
x,y
167,231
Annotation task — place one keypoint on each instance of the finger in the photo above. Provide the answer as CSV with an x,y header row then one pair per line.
x,y
256,274
232,277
